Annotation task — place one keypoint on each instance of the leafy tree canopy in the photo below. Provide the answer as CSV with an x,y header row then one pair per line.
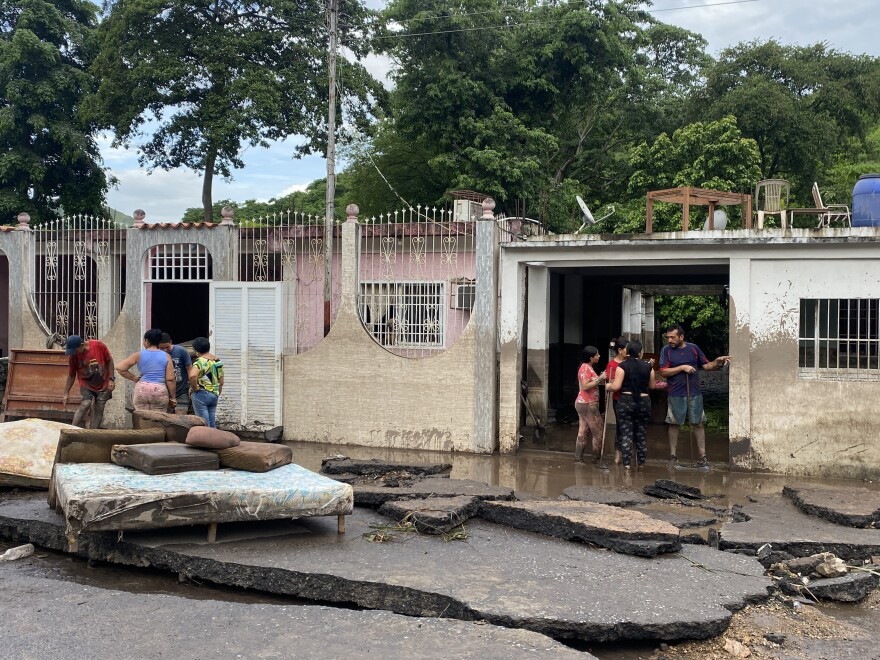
x,y
712,155
548,98
801,104
49,160
201,79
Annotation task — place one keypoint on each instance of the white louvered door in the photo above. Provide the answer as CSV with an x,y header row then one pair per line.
x,y
246,333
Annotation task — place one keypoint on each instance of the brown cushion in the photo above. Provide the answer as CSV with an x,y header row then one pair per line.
x,y
95,445
175,426
255,456
164,458
208,438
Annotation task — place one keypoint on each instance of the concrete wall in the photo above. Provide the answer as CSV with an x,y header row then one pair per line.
x,y
350,390
801,426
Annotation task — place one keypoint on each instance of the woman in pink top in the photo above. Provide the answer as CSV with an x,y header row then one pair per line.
x,y
619,347
587,405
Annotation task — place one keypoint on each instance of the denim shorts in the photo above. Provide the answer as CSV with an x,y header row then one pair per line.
x,y
677,409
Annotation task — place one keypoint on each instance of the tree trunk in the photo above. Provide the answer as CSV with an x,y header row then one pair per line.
x,y
207,184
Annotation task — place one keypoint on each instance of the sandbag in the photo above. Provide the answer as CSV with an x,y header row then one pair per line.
x,y
255,456
175,426
164,458
208,438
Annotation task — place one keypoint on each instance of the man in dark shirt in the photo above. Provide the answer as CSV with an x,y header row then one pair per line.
x,y
91,365
182,362
679,362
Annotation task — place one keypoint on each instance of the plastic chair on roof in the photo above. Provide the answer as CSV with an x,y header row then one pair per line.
x,y
830,212
771,203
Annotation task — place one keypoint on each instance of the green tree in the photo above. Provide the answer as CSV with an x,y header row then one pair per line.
x,y
712,155
49,159
801,104
205,78
543,103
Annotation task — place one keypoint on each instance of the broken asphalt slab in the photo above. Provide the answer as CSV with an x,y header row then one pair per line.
x,y
603,495
775,520
375,495
680,516
375,467
849,588
621,530
853,507
434,515
52,618
505,576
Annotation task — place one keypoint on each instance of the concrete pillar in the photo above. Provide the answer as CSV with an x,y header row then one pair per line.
x,y
538,340
349,255
484,317
510,325
740,365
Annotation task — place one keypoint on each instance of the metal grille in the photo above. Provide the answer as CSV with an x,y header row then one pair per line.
x,y
413,313
78,275
288,247
178,262
839,339
417,273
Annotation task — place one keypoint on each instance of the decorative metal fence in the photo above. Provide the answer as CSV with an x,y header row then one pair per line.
x,y
288,247
78,275
418,277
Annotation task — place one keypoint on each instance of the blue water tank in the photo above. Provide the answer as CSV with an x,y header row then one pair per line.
x,y
866,201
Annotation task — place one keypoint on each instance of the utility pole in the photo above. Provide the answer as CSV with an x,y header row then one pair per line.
x,y
331,163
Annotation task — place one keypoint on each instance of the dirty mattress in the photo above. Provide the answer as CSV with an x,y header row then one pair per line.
x,y
104,496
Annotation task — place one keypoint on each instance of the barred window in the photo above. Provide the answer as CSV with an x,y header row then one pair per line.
x,y
405,314
839,339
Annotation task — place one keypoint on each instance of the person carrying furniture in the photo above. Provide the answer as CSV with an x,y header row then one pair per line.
x,y
90,362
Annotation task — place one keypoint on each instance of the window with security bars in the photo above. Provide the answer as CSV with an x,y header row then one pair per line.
x,y
405,314
839,339
179,262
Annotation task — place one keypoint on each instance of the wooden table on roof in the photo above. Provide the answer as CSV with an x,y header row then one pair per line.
x,y
688,197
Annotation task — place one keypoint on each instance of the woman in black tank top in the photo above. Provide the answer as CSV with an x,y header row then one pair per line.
x,y
634,379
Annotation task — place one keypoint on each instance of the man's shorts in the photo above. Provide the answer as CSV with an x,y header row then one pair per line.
x,y
677,409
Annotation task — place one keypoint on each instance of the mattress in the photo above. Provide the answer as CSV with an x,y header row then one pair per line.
x,y
104,496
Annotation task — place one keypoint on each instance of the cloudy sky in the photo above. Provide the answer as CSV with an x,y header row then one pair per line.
x,y
848,25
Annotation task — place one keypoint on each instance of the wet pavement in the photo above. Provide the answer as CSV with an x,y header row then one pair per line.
x,y
531,474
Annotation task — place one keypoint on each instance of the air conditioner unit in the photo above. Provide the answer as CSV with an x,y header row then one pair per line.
x,y
465,294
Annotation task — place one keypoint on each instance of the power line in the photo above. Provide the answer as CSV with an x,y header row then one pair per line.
x,y
402,35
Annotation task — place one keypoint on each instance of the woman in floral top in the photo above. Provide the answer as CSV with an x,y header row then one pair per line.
x,y
587,405
206,381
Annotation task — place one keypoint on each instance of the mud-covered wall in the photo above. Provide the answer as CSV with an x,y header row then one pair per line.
x,y
350,390
800,426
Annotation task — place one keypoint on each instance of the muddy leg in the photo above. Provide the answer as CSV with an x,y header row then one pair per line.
x,y
340,523
700,435
212,533
673,438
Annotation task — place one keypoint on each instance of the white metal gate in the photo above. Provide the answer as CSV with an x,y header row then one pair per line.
x,y
246,334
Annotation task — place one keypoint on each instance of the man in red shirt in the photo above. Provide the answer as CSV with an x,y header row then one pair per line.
x,y
92,365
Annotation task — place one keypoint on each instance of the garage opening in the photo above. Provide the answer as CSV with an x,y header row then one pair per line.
x,y
592,306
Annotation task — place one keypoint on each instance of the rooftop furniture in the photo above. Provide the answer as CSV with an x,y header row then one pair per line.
x,y
771,203
826,213
688,197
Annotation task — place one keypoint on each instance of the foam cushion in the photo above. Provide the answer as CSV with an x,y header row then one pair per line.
x,y
255,456
208,438
175,426
164,458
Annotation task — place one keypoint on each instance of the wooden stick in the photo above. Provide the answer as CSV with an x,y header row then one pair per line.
x,y
212,532
340,523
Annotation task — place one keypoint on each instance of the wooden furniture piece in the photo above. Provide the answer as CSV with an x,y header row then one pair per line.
x,y
688,197
772,200
827,213
34,386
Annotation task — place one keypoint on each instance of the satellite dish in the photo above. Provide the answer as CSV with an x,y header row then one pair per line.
x,y
720,220
588,217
